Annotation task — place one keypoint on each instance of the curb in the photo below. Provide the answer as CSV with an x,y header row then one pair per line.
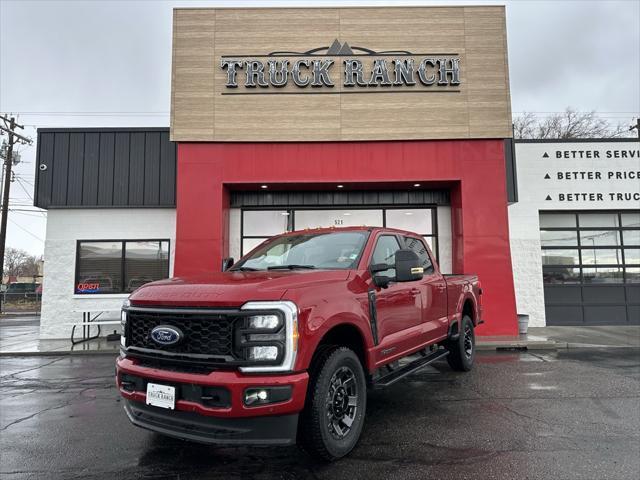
x,y
520,345
61,353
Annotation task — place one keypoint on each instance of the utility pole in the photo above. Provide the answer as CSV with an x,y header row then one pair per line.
x,y
8,126
636,127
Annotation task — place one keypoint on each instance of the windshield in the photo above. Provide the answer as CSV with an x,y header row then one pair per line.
x,y
335,250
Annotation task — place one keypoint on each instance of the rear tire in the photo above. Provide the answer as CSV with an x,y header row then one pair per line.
x,y
332,420
462,351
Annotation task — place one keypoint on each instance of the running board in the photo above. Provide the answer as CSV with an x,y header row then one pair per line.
x,y
399,373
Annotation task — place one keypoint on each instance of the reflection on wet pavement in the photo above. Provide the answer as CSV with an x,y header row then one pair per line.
x,y
567,414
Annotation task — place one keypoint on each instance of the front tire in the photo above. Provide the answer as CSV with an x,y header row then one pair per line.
x,y
462,351
332,421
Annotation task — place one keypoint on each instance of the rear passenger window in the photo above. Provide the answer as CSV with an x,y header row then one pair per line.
x,y
385,252
420,249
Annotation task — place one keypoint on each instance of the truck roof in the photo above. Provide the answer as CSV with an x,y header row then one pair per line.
x,y
348,229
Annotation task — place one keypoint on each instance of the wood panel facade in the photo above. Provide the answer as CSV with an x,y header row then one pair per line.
x,y
204,109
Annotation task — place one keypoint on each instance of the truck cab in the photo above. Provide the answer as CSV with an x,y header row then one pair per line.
x,y
282,346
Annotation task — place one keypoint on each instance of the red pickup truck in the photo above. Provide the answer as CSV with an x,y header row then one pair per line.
x,y
282,346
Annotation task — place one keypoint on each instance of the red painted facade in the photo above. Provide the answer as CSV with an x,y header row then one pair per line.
x,y
473,170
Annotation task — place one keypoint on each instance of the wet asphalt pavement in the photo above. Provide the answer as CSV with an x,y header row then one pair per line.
x,y
571,414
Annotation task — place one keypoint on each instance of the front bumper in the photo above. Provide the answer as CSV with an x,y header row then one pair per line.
x,y
271,430
233,382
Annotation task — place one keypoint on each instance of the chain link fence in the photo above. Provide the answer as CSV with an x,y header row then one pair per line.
x,y
21,302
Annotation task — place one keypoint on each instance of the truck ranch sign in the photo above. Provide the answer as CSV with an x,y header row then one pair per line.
x,y
377,69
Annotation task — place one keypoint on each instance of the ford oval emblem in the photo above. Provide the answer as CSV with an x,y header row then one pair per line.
x,y
166,335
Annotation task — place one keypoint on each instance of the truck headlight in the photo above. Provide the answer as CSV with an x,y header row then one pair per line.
x,y
123,322
263,353
270,336
264,322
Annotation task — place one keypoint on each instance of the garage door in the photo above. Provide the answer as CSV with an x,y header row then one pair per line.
x,y
591,267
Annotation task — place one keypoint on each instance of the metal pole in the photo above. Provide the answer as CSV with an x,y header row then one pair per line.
x,y
8,163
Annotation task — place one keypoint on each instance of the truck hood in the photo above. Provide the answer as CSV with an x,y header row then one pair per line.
x,y
230,289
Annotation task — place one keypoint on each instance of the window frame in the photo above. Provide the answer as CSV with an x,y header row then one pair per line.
x,y
382,234
578,229
431,269
291,223
123,251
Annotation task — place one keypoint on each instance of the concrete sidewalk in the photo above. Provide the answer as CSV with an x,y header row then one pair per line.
x,y
19,336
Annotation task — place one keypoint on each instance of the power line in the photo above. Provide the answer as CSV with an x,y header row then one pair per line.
x,y
27,231
28,213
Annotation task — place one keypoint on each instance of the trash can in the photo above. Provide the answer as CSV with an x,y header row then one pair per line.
x,y
523,323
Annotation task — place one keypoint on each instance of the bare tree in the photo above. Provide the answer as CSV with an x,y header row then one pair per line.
x,y
19,263
568,124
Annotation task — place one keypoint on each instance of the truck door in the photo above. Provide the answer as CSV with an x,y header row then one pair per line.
x,y
399,306
433,289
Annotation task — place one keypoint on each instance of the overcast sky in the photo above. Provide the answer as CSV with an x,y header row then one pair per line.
x,y
108,63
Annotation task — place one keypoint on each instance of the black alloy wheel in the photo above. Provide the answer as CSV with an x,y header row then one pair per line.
x,y
342,402
468,340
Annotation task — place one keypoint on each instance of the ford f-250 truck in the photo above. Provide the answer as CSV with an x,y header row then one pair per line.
x,y
282,346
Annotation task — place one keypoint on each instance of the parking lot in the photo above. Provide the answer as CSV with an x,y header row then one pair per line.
x,y
571,414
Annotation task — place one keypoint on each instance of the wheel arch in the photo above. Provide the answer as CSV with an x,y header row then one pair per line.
x,y
345,334
466,307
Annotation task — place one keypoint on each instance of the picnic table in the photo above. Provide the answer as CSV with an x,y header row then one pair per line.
x,y
90,319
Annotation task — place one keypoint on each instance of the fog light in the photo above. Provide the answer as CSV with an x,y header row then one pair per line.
x,y
264,322
263,353
256,396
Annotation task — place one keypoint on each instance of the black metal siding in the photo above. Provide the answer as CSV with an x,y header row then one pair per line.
x,y
105,167
341,198
511,171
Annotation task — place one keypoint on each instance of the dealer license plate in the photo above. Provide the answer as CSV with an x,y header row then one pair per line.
x,y
162,396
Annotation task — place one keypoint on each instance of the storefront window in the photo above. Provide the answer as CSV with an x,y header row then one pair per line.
x,y
593,247
601,256
560,257
632,275
560,275
99,268
632,256
599,238
631,237
145,262
413,220
120,266
259,225
598,220
602,275
556,238
264,223
631,220
557,220
337,218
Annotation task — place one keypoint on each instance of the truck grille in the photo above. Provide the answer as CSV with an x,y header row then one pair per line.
x,y
208,334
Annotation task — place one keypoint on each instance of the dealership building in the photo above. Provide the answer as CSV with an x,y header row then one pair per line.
x,y
288,119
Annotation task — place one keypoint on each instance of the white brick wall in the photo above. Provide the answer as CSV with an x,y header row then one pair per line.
x,y
64,228
533,190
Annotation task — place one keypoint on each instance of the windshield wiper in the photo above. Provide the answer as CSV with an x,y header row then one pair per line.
x,y
244,269
292,266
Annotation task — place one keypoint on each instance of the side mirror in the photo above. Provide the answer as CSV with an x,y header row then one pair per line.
x,y
381,281
227,263
408,266
378,267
